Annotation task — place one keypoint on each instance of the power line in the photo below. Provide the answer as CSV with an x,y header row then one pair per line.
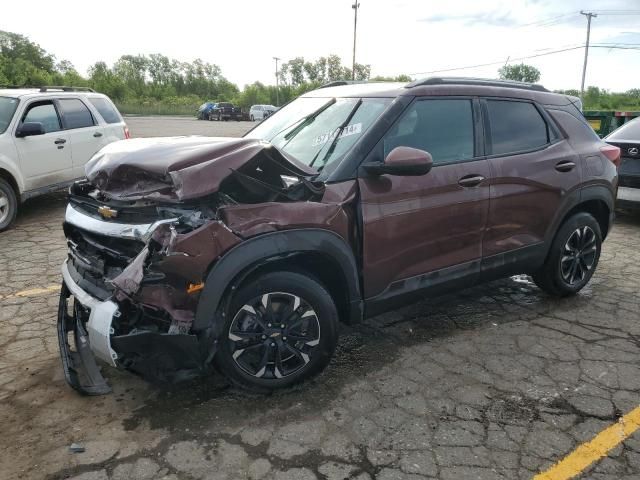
x,y
544,22
617,12
498,62
631,46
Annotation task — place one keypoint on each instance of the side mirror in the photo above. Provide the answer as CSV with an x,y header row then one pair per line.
x,y
30,129
403,161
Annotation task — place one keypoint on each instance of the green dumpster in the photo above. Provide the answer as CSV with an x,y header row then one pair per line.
x,y
604,122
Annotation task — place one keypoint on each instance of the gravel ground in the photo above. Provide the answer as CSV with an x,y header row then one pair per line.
x,y
495,382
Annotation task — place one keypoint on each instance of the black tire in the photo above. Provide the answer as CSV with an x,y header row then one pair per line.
x,y
262,335
8,205
573,256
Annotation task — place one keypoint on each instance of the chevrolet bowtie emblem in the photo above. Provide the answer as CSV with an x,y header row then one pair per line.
x,y
107,212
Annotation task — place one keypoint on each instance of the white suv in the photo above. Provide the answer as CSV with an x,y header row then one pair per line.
x,y
260,112
47,134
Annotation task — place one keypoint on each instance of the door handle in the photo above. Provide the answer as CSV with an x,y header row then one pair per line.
x,y
470,180
97,134
60,141
565,166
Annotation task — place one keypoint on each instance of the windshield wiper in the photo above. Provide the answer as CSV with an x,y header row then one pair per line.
x,y
306,121
334,142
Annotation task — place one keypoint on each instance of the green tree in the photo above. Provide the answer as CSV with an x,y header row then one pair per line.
x,y
103,79
520,73
23,62
398,78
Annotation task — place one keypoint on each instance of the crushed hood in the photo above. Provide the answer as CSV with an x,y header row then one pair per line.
x,y
176,169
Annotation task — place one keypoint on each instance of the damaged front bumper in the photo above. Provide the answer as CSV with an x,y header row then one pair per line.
x,y
159,356
90,321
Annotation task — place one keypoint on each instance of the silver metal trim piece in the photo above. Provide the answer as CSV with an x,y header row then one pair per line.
x,y
99,324
112,229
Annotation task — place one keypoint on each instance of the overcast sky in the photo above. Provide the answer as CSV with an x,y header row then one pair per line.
x,y
394,36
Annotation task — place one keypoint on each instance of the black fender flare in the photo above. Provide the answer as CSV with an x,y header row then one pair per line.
x,y
574,199
600,192
255,251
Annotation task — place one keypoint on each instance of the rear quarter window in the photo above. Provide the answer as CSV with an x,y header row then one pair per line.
x,y
108,112
576,130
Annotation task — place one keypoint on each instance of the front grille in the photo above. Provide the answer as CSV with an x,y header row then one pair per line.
x,y
94,259
130,215
85,198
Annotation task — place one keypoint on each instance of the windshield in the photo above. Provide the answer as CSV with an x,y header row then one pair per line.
x,y
630,131
8,107
319,131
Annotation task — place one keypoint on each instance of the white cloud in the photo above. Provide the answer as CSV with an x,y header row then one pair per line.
x,y
400,36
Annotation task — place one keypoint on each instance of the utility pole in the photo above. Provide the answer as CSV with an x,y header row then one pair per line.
x,y
355,7
589,15
277,83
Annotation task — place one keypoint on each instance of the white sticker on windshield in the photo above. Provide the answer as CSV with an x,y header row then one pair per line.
x,y
353,129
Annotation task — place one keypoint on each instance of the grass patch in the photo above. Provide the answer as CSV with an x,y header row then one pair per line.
x,y
134,108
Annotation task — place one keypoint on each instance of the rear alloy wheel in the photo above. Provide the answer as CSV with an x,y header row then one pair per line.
x,y
579,255
573,257
8,205
282,329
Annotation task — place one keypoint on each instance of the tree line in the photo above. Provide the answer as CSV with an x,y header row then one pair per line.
x,y
140,79
136,82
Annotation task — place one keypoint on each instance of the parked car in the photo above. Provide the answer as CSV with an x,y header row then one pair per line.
x,y
627,138
225,111
350,201
260,112
47,135
204,110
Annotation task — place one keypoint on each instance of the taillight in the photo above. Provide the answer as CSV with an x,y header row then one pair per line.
x,y
127,134
612,153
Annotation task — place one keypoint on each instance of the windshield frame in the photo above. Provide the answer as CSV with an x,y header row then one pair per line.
x,y
12,115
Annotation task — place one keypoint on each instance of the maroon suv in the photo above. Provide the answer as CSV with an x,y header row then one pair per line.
x,y
245,254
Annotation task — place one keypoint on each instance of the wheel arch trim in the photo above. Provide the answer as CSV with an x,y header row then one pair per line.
x,y
572,204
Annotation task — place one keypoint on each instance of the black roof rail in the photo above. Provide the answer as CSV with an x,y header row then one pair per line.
x,y
485,82
45,88
340,83
65,88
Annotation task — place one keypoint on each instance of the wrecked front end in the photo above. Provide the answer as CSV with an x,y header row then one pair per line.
x,y
142,238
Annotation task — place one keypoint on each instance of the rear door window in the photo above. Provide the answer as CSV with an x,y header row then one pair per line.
x,y
515,127
44,113
444,128
75,113
107,111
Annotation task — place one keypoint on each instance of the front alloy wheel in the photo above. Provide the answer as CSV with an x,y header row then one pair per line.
x,y
280,329
274,335
8,204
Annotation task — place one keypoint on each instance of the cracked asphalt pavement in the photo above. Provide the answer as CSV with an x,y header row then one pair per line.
x,y
495,382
